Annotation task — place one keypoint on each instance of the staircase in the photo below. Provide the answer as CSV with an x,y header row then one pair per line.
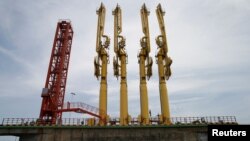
x,y
80,107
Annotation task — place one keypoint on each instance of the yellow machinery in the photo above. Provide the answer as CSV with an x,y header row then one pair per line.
x,y
119,64
145,63
164,62
91,122
100,62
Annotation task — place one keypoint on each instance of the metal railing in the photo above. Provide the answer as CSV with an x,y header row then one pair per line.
x,y
19,121
115,121
204,120
81,105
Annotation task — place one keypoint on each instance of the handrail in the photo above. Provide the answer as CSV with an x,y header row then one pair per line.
x,y
134,121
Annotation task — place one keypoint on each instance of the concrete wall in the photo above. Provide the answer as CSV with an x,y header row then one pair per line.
x,y
170,133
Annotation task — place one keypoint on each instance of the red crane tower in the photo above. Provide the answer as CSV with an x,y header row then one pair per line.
x,y
54,90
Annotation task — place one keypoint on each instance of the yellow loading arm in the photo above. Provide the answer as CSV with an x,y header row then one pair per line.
x,y
100,63
120,64
162,41
145,63
164,62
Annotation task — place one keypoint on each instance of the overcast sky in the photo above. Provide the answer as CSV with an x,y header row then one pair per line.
x,y
209,42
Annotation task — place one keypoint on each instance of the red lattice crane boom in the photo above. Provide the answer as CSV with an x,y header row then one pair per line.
x,y
54,90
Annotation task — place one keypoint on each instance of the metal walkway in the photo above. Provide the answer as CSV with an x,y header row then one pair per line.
x,y
80,107
154,121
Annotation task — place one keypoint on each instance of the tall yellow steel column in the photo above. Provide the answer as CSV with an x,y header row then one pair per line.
x,y
164,63
120,61
124,117
145,65
101,61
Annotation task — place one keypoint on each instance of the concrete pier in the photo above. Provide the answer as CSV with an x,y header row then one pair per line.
x,y
110,133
